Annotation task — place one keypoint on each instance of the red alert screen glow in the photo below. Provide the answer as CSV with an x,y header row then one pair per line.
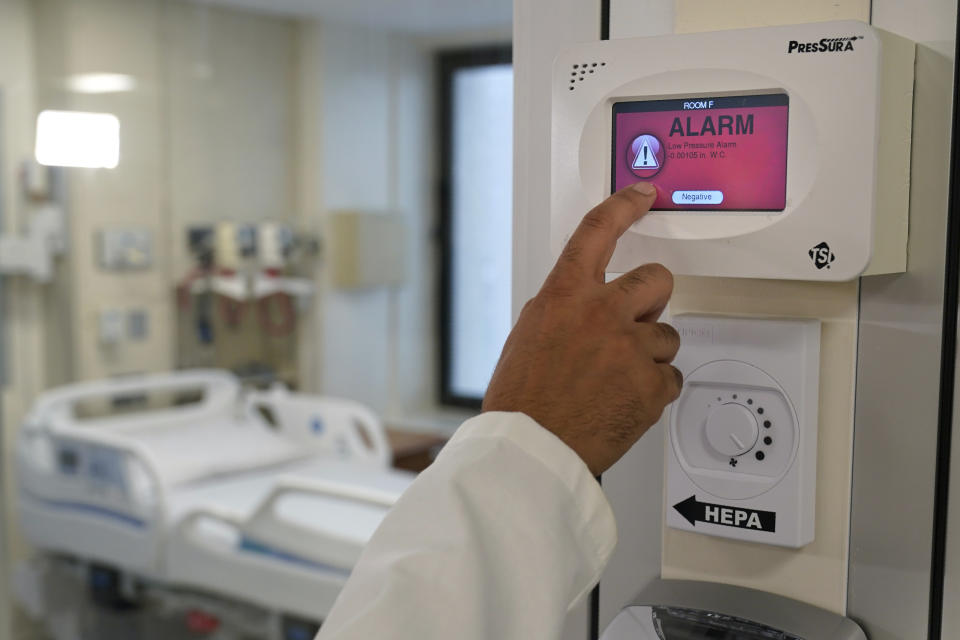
x,y
712,154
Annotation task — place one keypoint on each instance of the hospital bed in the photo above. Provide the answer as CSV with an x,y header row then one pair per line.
x,y
267,497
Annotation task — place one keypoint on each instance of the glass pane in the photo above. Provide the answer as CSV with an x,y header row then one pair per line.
x,y
481,217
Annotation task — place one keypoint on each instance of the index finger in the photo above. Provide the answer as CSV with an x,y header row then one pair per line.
x,y
591,246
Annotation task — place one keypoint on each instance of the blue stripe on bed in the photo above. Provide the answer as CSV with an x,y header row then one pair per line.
x,y
246,543
255,546
90,509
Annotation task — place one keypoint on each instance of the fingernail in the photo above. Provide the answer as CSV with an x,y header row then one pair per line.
x,y
646,188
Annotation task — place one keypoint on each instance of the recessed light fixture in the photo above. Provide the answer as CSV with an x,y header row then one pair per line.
x,y
101,83
78,139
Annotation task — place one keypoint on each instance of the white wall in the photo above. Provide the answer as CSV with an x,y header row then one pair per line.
x,y
229,91
414,331
208,134
541,28
374,137
117,37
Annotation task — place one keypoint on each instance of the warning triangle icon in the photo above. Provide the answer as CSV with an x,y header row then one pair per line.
x,y
645,157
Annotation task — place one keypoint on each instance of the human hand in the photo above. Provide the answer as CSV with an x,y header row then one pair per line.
x,y
587,359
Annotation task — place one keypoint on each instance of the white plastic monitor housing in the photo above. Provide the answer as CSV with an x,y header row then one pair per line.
x,y
742,436
847,160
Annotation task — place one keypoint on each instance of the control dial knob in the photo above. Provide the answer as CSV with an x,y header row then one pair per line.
x,y
732,429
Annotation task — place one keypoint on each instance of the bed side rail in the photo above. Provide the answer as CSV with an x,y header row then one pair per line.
x,y
94,482
56,409
344,428
266,533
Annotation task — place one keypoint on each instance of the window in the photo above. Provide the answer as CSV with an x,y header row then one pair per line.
x,y
476,207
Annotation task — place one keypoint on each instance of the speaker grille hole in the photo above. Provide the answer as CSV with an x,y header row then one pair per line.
x,y
579,71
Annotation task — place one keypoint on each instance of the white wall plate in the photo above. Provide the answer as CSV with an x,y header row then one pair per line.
x,y
742,437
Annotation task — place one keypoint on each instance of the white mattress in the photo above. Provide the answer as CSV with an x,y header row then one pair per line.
x,y
184,452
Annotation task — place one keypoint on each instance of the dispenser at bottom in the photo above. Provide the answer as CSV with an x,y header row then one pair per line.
x,y
688,610
742,444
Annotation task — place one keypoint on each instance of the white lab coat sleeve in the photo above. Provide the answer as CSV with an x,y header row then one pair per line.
x,y
497,540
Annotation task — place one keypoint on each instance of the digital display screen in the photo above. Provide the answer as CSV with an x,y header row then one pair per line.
x,y
713,154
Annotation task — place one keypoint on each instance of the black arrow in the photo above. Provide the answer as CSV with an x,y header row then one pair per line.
x,y
724,515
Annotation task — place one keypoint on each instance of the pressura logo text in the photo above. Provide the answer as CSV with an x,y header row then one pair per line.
x,y
824,45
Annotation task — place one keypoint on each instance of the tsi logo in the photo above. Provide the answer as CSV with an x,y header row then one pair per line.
x,y
821,255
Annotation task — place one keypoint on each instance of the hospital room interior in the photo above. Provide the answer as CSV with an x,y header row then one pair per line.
x,y
259,260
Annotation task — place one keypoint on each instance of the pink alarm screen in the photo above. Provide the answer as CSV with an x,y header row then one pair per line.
x,y
713,154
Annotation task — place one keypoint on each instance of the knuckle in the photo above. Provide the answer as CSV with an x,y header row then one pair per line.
x,y
667,334
654,416
571,252
555,304
532,306
632,280
554,288
647,275
657,271
596,220
678,376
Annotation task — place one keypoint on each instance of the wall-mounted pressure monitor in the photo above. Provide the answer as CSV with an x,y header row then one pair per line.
x,y
780,152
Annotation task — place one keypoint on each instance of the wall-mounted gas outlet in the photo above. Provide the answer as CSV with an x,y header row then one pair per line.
x,y
126,249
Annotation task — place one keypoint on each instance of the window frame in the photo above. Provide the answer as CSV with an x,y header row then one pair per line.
x,y
448,63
